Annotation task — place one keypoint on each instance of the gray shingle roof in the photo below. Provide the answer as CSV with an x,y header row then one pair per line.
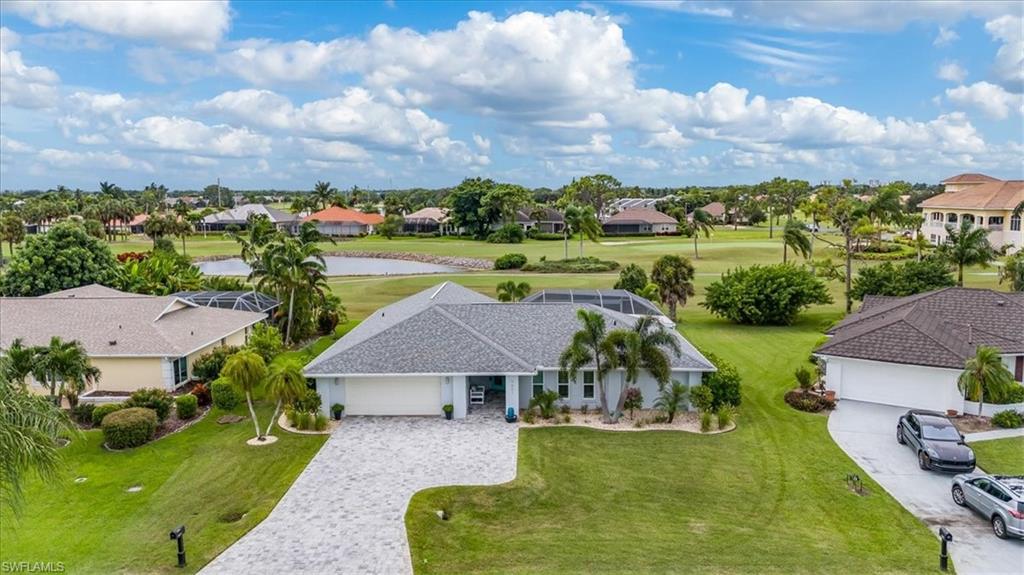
x,y
941,328
240,214
139,325
457,333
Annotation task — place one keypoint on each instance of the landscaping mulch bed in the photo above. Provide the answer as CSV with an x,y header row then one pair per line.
x,y
173,425
684,421
972,423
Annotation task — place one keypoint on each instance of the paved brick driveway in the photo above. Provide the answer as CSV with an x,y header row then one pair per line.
x,y
345,512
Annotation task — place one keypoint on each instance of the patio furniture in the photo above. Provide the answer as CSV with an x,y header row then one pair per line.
x,y
476,395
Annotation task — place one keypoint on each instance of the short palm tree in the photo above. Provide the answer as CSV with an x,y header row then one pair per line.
x,y
674,277
322,194
794,237
985,374
511,291
64,368
642,348
580,220
246,371
671,399
590,347
285,383
701,222
966,246
17,361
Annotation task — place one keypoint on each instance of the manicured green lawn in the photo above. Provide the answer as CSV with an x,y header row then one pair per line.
x,y
1003,456
204,477
769,497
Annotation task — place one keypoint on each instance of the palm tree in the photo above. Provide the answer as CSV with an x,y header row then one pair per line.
x,y
511,291
793,236
642,348
674,277
965,247
580,220
64,368
246,371
671,399
291,266
985,374
915,222
29,429
323,193
285,383
590,346
17,361
701,223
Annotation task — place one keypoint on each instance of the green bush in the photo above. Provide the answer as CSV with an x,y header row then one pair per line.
x,y
702,398
765,295
803,378
810,402
546,236
187,406
904,279
545,403
156,399
82,413
1014,395
632,278
320,423
705,421
724,383
265,341
529,416
1008,419
224,394
129,427
207,366
572,266
310,402
507,234
303,420
103,410
724,417
511,261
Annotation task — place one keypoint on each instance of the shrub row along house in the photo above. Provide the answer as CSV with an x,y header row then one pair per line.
x,y
909,351
981,200
136,341
451,345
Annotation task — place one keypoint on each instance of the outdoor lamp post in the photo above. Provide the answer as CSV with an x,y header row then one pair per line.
x,y
179,536
945,537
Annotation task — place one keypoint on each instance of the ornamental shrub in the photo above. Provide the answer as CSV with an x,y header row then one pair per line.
x,y
803,378
207,366
507,234
309,402
1008,419
634,400
765,295
1014,395
512,261
572,266
156,399
202,393
224,394
705,421
82,413
103,410
724,383
62,258
724,417
904,279
187,406
702,398
810,402
129,427
265,341
632,278
545,403
320,423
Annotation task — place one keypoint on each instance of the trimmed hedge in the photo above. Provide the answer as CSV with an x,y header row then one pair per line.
x,y
572,266
103,410
187,406
511,261
156,399
507,234
546,236
224,394
1015,395
1008,419
810,402
129,427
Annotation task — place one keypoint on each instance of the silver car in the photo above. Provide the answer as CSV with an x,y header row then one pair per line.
x,y
1000,498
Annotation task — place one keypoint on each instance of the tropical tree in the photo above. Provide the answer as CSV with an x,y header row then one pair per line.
x,y
293,268
72,258
260,231
793,237
642,349
966,246
12,231
391,226
916,222
510,291
580,220
671,399
701,222
590,346
322,194
158,226
246,370
674,278
593,191
29,429
1012,271
845,211
17,361
285,383
985,375
632,278
64,369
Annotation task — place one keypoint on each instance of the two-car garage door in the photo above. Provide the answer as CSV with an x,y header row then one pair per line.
x,y
393,396
895,384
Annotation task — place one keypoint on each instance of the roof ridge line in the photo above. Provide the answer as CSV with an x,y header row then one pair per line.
x,y
922,332
480,336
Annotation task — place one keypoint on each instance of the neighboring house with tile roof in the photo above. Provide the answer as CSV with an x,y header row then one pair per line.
x,y
909,351
337,221
982,200
238,216
640,221
135,340
439,345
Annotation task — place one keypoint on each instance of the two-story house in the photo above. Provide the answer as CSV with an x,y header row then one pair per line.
x,y
982,200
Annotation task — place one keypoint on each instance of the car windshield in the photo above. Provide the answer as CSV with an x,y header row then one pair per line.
x,y
939,431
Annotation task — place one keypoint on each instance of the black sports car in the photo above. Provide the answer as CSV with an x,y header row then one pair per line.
x,y
936,441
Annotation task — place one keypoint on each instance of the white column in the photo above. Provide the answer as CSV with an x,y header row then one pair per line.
x,y
512,393
460,396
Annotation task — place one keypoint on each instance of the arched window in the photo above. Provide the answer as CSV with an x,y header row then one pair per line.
x,y
951,218
969,218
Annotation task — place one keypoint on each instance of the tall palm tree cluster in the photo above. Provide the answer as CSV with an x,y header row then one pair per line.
x,y
62,367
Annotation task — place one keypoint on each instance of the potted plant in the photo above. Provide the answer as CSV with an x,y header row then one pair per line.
x,y
337,409
448,409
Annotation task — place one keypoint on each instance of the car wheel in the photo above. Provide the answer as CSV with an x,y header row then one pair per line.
x,y
923,461
899,435
999,527
958,496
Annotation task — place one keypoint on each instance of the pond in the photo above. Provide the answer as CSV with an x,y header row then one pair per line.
x,y
337,266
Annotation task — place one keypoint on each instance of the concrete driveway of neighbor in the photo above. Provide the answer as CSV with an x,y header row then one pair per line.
x,y
346,511
867,433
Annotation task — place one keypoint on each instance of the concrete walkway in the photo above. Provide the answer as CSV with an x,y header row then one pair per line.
x,y
867,433
346,511
994,434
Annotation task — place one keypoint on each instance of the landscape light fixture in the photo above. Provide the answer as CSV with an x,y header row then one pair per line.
x,y
179,536
945,537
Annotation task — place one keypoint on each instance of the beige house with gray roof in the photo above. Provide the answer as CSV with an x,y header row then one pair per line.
x,y
136,341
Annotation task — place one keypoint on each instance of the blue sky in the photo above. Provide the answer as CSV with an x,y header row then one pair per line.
x,y
402,94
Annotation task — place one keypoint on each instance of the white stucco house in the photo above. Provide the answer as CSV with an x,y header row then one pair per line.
x,y
910,351
451,345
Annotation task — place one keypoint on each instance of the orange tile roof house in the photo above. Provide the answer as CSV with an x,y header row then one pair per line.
x,y
982,200
640,221
335,221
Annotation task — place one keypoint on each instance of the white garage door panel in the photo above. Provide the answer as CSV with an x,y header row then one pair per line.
x,y
393,396
906,386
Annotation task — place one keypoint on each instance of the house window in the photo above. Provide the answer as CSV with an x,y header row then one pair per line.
x,y
995,220
538,383
563,385
937,216
588,385
180,369
1015,224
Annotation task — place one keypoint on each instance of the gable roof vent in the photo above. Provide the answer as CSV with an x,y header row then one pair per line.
x,y
112,342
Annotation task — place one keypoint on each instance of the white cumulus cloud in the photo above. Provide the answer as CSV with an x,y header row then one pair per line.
x,y
186,135
23,85
952,72
992,99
